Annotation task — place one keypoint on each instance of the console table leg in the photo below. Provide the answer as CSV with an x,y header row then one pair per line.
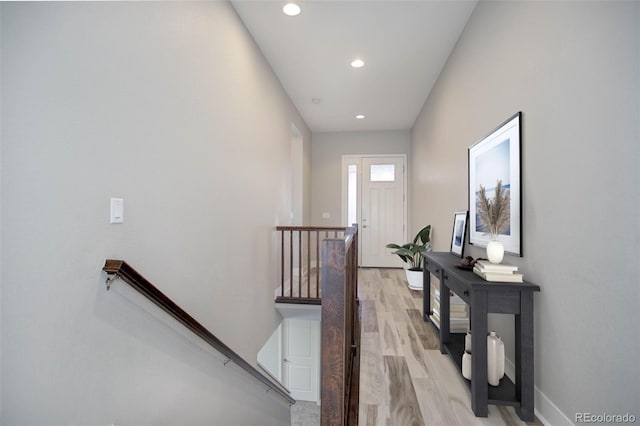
x,y
445,336
524,357
479,385
426,295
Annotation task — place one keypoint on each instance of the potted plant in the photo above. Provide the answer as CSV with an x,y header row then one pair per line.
x,y
410,254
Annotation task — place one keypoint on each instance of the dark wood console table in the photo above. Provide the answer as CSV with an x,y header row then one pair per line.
x,y
485,297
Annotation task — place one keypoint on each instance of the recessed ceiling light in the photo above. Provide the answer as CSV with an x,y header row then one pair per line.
x,y
291,9
360,116
357,63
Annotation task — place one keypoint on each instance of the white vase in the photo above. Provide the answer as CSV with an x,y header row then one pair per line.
x,y
495,359
495,251
467,342
414,278
466,365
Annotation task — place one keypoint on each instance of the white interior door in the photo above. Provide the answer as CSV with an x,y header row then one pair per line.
x,y
301,358
383,209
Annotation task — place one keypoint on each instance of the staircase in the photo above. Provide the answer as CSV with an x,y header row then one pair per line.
x,y
319,268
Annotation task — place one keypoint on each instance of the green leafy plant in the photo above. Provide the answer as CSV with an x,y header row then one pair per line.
x,y
494,213
410,252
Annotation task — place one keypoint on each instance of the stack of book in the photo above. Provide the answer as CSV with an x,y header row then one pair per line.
x,y
497,272
458,313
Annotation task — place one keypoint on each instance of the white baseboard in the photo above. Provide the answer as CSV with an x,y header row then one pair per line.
x,y
509,369
545,410
548,413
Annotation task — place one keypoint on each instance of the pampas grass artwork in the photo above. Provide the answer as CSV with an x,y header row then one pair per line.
x,y
494,213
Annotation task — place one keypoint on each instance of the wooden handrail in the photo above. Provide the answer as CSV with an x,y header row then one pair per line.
x,y
121,269
311,228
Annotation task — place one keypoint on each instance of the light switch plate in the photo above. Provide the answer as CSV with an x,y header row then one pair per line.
x,y
117,210
326,215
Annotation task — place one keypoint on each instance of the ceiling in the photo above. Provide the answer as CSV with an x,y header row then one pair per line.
x,y
404,45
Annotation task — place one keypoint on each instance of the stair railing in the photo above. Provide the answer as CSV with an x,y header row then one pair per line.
x,y
119,269
300,264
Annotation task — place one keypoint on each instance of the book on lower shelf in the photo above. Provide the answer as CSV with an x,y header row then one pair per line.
x,y
456,324
454,299
458,311
453,328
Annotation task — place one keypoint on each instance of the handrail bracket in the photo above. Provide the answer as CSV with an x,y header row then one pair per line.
x,y
111,278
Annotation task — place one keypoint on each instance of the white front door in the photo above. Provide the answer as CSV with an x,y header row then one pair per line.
x,y
301,358
383,210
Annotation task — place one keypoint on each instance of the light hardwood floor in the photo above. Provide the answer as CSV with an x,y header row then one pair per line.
x,y
404,380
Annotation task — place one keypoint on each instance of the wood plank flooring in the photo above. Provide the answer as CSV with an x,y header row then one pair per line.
x,y
404,379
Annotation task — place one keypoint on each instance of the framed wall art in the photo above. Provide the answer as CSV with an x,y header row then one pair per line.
x,y
496,158
459,233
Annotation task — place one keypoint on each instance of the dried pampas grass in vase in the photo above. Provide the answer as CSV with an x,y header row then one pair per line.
x,y
495,216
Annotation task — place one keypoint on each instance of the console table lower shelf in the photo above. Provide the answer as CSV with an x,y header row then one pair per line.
x,y
504,394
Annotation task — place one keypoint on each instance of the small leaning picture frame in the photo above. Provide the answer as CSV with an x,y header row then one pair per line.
x,y
459,232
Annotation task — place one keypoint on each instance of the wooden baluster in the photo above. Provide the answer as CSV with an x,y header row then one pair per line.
x,y
291,263
355,259
282,264
308,263
318,264
300,263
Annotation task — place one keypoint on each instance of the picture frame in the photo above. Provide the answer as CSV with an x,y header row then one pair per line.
x,y
459,233
495,157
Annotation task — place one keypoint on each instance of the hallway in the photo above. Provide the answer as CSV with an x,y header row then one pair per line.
x,y
404,380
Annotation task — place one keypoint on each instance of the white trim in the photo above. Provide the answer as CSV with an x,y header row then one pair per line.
x,y
297,311
545,410
346,161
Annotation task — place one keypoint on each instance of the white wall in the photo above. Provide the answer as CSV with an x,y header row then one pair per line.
x,y
327,150
573,68
270,355
0,220
172,107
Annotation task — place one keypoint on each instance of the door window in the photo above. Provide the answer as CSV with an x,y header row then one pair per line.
x,y
382,173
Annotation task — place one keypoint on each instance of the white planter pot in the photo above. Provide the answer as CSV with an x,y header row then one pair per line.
x,y
414,278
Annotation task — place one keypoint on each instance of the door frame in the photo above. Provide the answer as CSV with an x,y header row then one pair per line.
x,y
344,173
